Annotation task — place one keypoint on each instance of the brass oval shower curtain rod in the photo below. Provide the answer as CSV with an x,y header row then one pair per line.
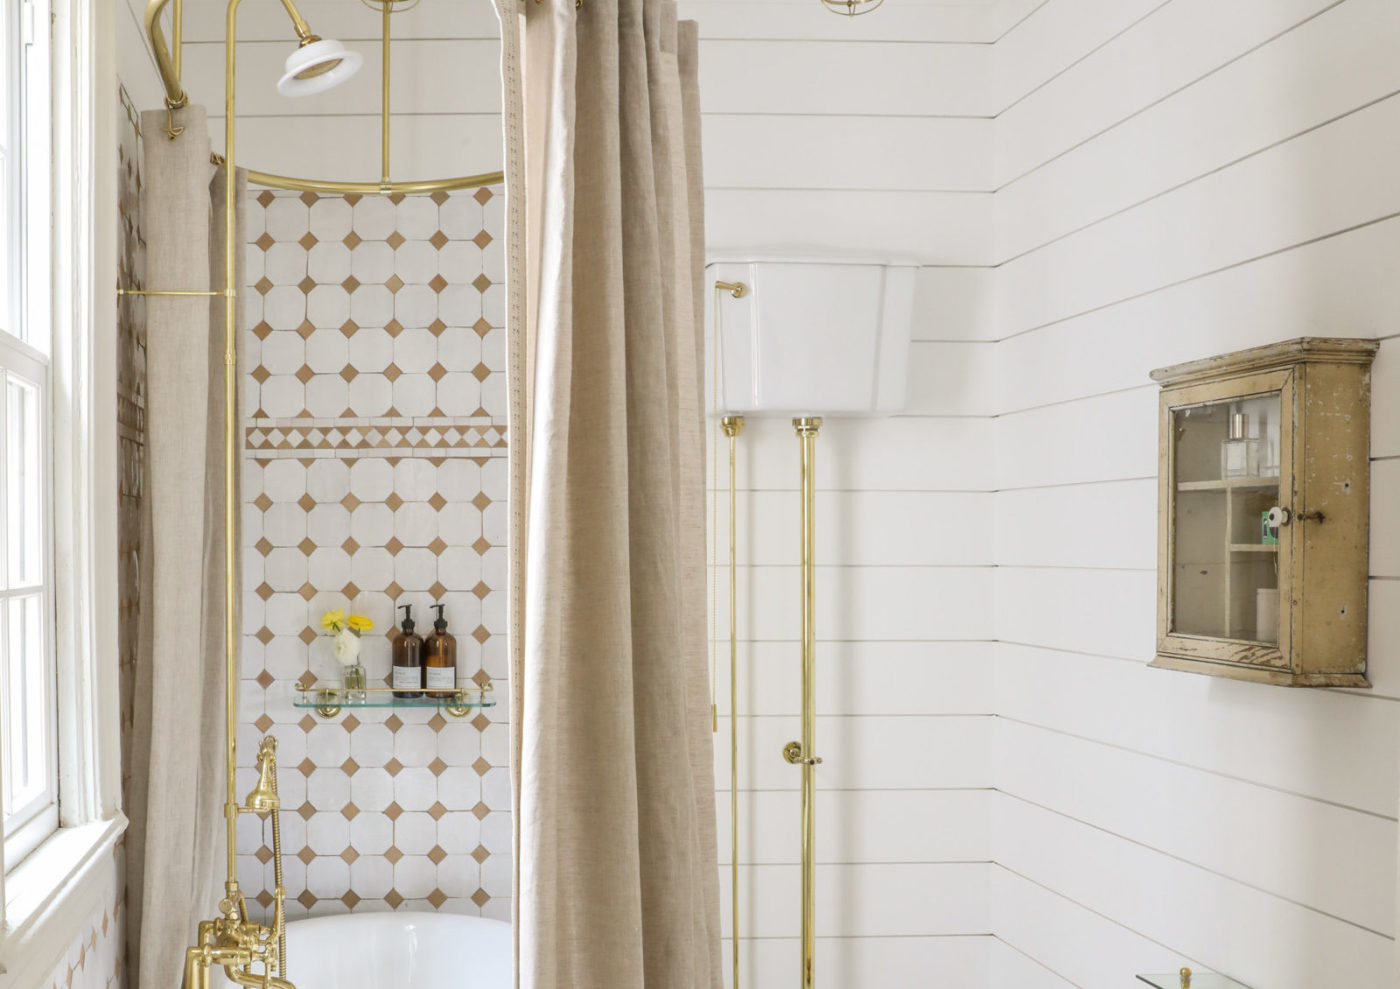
x,y
325,58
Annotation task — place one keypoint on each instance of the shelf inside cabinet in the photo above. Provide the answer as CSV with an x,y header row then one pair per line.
x,y
1229,484
1254,547
330,701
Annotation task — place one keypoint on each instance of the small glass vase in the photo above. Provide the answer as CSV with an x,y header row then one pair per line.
x,y
353,682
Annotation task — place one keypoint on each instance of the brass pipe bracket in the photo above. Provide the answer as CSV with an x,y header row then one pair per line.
x,y
792,752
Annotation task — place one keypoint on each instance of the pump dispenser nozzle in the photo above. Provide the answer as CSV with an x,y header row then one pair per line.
x,y
440,658
408,658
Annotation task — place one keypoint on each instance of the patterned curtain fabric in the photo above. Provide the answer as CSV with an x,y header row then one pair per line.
x,y
617,879
175,857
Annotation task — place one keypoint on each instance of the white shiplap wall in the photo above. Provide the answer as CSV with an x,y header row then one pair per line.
x,y
1176,180
869,136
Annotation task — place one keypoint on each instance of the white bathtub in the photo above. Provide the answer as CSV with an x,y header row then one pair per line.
x,y
399,951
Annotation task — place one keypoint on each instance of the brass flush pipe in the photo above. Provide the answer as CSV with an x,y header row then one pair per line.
x,y
803,753
733,426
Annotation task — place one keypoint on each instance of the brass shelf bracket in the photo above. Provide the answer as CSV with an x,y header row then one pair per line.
x,y
329,702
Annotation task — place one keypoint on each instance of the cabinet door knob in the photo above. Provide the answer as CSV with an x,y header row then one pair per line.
x,y
1279,516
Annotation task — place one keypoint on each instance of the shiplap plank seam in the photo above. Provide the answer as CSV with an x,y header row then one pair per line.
x,y
1191,766
1086,55
1185,957
1036,961
1166,96
1243,262
1187,183
1026,17
1195,865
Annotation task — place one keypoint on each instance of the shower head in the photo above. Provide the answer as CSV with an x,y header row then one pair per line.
x,y
316,66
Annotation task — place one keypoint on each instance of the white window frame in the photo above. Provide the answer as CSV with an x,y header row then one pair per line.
x,y
47,897
29,297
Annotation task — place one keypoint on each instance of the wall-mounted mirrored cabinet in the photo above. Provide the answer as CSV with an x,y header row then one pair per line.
x,y
1263,513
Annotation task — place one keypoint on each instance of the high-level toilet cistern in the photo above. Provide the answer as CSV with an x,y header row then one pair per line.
x,y
802,338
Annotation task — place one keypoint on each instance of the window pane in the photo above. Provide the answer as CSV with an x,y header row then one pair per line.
x,y
7,315
23,483
26,737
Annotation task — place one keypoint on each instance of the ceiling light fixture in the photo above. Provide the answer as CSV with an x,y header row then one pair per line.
x,y
851,8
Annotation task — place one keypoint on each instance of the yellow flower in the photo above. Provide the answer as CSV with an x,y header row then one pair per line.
x,y
359,623
333,621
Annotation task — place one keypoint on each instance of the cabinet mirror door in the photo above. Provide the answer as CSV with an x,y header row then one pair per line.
x,y
1227,457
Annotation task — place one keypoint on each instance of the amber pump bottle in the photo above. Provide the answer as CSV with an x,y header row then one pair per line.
x,y
440,659
408,658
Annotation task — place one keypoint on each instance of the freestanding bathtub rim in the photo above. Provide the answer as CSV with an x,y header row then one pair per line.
x,y
398,950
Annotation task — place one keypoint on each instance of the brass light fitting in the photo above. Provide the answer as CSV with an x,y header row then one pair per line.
x,y
851,8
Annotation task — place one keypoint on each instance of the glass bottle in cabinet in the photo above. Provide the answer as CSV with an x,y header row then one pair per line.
x,y
1263,505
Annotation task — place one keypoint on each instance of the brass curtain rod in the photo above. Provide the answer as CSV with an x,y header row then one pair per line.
x,y
175,97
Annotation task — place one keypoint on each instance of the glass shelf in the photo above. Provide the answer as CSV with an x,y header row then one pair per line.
x,y
1202,980
1230,484
330,701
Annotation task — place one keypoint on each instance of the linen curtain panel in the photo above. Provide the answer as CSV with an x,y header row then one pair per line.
x,y
175,862
617,878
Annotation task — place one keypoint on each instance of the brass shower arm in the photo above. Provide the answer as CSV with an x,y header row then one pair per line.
x,y
299,24
169,64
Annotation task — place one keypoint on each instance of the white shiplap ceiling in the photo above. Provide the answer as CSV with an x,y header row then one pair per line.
x,y
770,20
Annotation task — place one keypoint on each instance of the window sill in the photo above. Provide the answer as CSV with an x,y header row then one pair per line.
x,y
51,894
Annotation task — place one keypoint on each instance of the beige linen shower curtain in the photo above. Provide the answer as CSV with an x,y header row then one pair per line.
x,y
617,882
175,855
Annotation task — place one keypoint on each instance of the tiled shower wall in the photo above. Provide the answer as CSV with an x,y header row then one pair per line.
x,y
375,476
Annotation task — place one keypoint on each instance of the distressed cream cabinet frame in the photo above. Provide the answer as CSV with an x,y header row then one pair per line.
x,y
1324,433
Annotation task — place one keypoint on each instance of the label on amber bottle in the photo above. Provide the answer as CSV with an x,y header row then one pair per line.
x,y
440,677
408,678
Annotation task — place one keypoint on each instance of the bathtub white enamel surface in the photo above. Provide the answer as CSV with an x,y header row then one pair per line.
x,y
398,951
